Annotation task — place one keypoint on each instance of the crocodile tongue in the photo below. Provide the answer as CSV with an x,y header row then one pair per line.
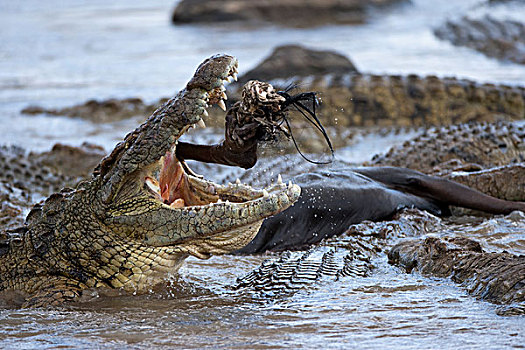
x,y
171,184
171,181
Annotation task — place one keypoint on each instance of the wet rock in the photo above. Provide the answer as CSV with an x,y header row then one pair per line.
x,y
499,38
71,160
297,61
516,216
297,13
37,110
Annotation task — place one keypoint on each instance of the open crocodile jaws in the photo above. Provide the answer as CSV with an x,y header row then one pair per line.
x,y
142,213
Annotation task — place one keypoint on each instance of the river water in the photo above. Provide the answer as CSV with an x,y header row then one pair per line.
x,y
57,53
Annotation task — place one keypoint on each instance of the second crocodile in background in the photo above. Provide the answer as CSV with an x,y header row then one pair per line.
x,y
350,98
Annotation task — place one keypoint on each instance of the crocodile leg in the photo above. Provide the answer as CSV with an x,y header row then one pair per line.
x,y
55,291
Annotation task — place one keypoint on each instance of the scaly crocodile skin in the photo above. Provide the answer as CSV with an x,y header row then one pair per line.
x,y
116,230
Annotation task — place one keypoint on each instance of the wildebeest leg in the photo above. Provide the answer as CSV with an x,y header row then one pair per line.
x,y
221,153
239,147
439,189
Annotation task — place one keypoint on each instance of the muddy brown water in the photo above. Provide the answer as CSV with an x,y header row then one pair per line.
x,y
57,53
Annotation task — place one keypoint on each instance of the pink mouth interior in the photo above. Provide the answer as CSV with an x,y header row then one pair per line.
x,y
171,186
171,179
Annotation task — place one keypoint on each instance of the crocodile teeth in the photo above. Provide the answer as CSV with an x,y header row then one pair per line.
x,y
290,184
205,113
153,184
238,182
234,76
201,123
222,88
178,203
265,193
279,179
222,105
223,95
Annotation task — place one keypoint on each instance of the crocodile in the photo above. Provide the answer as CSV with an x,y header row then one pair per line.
x,y
498,277
142,212
468,146
28,177
351,98
44,173
102,111
350,254
489,157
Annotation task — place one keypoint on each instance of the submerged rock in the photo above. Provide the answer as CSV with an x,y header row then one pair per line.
x,y
296,13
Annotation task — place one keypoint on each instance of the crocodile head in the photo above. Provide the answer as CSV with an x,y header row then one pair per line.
x,y
153,198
